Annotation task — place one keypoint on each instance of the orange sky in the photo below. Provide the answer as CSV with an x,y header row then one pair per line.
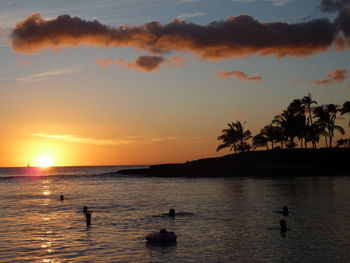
x,y
98,92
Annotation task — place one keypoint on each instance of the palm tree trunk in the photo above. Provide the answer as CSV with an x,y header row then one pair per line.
x,y
310,116
330,131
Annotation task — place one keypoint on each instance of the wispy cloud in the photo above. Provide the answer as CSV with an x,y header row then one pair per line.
x,y
43,75
189,1
239,74
98,141
273,2
336,76
85,140
190,15
22,61
144,63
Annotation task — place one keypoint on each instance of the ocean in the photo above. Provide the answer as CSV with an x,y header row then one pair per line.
x,y
217,219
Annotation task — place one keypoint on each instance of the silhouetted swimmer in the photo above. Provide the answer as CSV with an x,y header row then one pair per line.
x,y
88,218
163,231
172,212
283,225
62,197
285,211
85,209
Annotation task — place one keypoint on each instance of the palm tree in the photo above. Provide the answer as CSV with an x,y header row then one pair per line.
x,y
346,109
260,140
243,135
287,124
326,119
307,101
229,138
235,137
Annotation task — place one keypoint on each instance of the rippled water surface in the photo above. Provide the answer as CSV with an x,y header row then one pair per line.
x,y
219,219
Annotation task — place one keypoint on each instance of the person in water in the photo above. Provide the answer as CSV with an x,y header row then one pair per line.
x,y
62,197
172,212
88,218
283,225
163,231
285,211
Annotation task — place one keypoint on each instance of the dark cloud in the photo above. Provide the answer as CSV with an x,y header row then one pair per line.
x,y
334,5
145,63
338,75
236,36
239,74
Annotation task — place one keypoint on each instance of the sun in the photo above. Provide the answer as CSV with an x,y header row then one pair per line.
x,y
44,161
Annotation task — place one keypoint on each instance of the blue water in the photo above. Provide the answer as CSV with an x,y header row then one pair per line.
x,y
219,219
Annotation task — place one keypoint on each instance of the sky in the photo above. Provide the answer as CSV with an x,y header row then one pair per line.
x,y
122,82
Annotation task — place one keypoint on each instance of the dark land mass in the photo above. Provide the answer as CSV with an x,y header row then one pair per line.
x,y
277,162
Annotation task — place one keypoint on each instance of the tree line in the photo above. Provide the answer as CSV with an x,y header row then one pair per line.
x,y
302,124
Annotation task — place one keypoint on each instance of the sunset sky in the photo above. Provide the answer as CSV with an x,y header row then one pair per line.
x,y
104,82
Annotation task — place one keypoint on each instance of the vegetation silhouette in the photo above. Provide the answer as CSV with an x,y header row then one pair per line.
x,y
292,142
299,124
235,137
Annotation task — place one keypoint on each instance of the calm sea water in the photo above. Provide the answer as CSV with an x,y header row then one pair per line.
x,y
219,220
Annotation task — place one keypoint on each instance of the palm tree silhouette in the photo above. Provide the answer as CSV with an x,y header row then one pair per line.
x,y
234,137
229,138
260,140
307,101
346,110
326,119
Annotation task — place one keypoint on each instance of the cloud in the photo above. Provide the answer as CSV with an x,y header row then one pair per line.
x,y
43,75
99,141
145,63
274,2
22,61
234,37
239,74
338,76
76,139
333,5
190,15
189,1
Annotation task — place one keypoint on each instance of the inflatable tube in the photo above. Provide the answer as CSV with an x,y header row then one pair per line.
x,y
156,237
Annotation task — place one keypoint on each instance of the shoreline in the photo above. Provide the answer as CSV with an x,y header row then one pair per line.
x,y
276,162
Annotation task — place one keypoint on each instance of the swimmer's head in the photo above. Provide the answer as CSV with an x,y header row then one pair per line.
x,y
172,212
283,225
163,231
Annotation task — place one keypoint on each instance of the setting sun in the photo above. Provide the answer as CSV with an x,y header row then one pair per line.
x,y
44,161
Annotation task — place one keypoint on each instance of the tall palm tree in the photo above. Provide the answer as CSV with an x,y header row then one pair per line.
x,y
287,123
243,135
326,119
307,101
229,138
346,109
